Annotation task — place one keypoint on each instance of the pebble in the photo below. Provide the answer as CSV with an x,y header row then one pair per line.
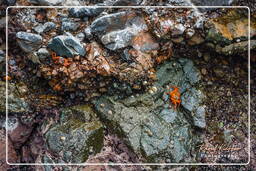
x,y
154,89
110,112
204,71
29,42
151,91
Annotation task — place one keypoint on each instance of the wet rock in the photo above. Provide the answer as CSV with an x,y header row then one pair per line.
x,y
16,103
144,42
69,25
78,134
80,36
147,122
227,28
168,27
47,2
88,33
192,100
117,30
41,28
126,2
237,48
196,40
85,12
66,45
42,53
29,42
39,56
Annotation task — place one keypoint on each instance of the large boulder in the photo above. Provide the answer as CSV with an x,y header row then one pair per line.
x,y
149,123
78,135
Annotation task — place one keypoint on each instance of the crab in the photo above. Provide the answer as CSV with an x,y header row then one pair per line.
x,y
58,59
175,97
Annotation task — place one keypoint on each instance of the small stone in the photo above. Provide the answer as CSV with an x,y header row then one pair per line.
x,y
44,27
43,53
102,105
88,33
80,36
69,25
67,46
29,42
189,33
204,71
85,12
110,112
154,89
145,83
47,2
62,138
151,91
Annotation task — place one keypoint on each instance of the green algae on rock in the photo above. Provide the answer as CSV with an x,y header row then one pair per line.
x,y
76,135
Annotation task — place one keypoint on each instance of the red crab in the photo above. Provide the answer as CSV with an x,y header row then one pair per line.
x,y
175,97
58,59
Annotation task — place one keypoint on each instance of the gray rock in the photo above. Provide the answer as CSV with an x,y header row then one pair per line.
x,y
149,123
39,56
117,30
16,103
43,53
78,135
88,33
85,12
66,45
126,2
69,25
29,42
47,2
237,48
211,3
117,39
192,100
2,56
44,27
80,36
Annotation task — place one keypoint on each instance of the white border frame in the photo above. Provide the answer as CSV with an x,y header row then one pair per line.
x,y
129,164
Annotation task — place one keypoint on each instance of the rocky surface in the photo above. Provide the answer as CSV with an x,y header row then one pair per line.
x,y
150,125
78,135
47,2
117,30
123,62
16,102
